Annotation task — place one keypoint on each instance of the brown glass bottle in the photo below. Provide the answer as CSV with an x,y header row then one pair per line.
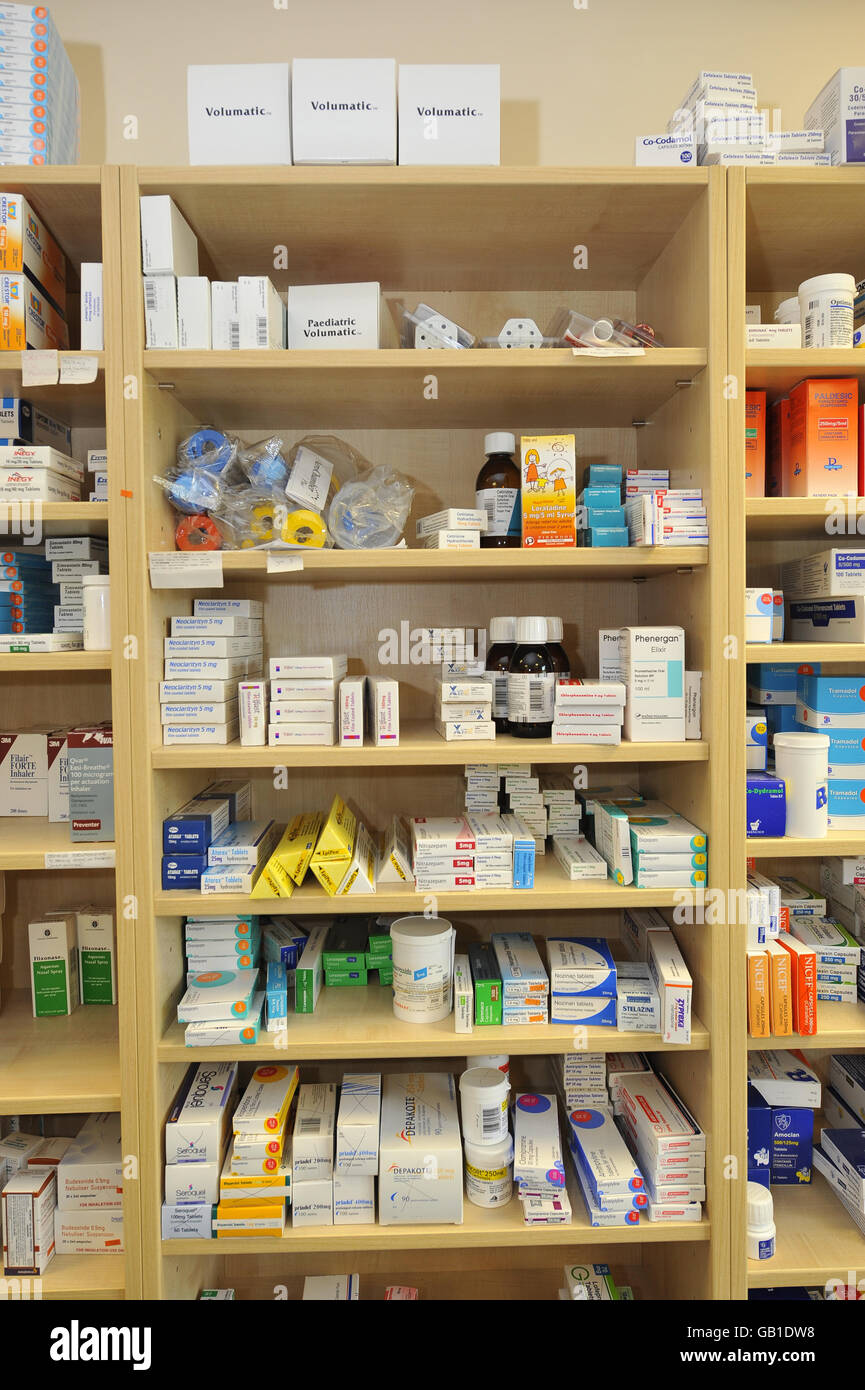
x,y
531,682
561,661
503,633
497,492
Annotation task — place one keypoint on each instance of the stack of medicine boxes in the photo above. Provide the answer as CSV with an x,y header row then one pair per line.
x,y
601,514
456,528
208,647
345,859
379,954
525,983
188,834
223,1011
236,858
482,787
73,560
443,854
32,599
582,982
198,696
611,1184
36,63
357,1143
581,1079
494,850
539,1169
303,699
89,1215
312,1143
465,710
255,1181
676,516
835,705
32,290
589,712
345,953
783,1095
668,1144
196,1133
222,943
523,797
667,851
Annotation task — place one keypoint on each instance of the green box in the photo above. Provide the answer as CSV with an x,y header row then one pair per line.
x,y
487,983
345,978
385,974
380,946
345,947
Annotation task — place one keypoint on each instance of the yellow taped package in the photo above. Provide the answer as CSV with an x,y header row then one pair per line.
x,y
334,850
289,862
266,1100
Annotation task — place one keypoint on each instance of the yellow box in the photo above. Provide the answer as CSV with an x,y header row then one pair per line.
x,y
27,244
758,994
27,318
549,490
265,1102
780,989
334,850
289,862
247,1206
360,875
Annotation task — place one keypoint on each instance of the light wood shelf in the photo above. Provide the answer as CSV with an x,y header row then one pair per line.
x,y
84,1277
815,1239
383,388
24,662
361,1023
25,841
799,518
805,651
78,404
785,847
777,370
57,1066
420,745
56,518
838,1026
551,890
430,566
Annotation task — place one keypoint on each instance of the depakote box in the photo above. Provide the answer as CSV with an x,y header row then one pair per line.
x,y
420,1156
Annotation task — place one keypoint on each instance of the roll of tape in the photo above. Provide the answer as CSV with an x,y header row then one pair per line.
x,y
210,446
197,533
304,528
194,491
261,522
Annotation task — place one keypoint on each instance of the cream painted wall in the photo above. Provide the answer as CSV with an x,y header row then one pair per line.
x,y
577,83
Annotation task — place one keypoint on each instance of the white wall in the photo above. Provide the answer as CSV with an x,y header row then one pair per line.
x,y
577,84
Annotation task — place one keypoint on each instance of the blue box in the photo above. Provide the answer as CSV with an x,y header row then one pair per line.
x,y
602,474
759,1132
276,993
792,1144
605,516
833,694
846,798
191,829
604,1018
781,719
605,495
766,801
606,536
183,870
760,1175
238,795
846,746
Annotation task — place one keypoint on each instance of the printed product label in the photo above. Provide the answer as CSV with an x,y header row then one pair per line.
x,y
501,505
531,699
500,696
50,987
489,1186
96,977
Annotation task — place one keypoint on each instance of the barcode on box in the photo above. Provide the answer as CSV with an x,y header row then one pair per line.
x,y
234,335
151,297
261,331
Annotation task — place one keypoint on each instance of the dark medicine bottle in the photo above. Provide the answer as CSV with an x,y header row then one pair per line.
x,y
503,633
497,492
531,682
561,661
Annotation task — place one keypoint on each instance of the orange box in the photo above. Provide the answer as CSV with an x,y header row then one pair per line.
x,y
778,436
823,437
755,443
780,989
758,994
803,980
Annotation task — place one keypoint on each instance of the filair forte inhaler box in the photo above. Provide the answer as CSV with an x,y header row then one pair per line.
x,y
449,113
238,113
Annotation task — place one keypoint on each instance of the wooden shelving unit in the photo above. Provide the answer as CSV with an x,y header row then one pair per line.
x,y
87,1062
785,225
388,225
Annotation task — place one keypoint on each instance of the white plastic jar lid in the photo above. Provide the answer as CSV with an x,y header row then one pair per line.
x,y
417,931
828,282
760,1207
802,742
482,1083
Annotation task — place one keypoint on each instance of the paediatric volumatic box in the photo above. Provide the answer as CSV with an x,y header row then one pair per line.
x,y
357,1126
420,1156
198,1122
334,316
549,495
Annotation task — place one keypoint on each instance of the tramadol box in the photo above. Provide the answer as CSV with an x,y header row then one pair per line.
x,y
420,1155
653,670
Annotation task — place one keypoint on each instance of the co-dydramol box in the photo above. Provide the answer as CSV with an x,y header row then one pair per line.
x,y
420,1156
449,113
343,110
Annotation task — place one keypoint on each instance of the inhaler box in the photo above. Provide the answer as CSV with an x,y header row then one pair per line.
x,y
23,775
238,113
343,110
449,113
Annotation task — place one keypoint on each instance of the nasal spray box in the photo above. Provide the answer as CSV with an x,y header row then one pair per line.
x,y
97,949
54,979
420,1155
549,490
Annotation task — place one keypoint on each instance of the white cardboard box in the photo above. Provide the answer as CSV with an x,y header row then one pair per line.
x,y
449,113
420,1154
92,323
238,113
665,150
312,1202
653,668
169,246
198,1123
353,1200
335,316
357,1126
23,775
343,110
262,313
312,1137
28,1201
160,311
90,1232
225,315
193,312
839,111
90,1174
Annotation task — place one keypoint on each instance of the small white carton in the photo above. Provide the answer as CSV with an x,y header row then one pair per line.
x,y
93,1232
357,1126
671,978
383,696
225,315
92,319
351,711
669,149
653,670
262,313
339,1288
312,1202
343,110
192,1184
312,1139
160,312
334,316
463,995
238,113
449,113
193,312
353,1200
420,1155
169,246
90,1173
839,111
24,775
28,1204
538,1162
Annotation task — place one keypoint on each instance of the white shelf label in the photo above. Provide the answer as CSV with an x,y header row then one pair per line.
x,y
182,569
283,561
77,371
40,367
83,858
